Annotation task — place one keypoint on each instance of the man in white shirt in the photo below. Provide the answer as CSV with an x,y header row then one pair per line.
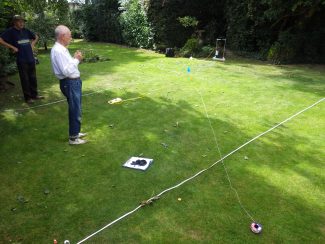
x,y
65,68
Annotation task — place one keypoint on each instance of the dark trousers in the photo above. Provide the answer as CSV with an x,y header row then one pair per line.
x,y
71,89
27,74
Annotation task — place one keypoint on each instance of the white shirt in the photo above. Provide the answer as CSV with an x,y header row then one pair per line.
x,y
63,65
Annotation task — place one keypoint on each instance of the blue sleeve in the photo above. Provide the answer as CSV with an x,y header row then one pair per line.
x,y
31,35
6,36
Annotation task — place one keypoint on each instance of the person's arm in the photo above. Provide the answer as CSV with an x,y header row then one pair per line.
x,y
6,44
34,41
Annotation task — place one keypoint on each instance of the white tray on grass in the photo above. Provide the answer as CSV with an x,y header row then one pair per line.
x,y
138,163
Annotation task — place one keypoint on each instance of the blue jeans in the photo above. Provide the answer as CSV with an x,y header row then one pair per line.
x,y
71,89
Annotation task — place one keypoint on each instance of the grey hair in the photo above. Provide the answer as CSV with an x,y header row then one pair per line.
x,y
61,30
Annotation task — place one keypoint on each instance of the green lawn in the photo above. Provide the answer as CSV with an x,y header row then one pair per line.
x,y
50,190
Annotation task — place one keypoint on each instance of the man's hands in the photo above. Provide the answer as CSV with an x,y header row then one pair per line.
x,y
78,55
14,49
33,42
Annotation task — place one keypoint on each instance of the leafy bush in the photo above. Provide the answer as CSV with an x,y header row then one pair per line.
x,y
136,29
91,57
188,21
100,21
206,51
7,62
285,49
280,53
190,48
160,47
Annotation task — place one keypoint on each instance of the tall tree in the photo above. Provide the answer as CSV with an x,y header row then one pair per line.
x,y
101,21
44,15
283,31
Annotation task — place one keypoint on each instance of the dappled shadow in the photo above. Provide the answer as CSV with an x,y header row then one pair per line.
x,y
292,76
48,85
91,188
209,212
305,78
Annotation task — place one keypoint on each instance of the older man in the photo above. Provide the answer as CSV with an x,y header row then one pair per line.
x,y
22,41
65,68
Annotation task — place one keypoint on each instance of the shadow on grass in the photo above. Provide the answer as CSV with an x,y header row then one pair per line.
x,y
88,186
305,78
48,84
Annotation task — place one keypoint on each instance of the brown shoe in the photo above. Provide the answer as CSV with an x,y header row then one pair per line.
x,y
38,97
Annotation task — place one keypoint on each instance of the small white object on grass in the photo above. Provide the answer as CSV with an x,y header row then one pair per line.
x,y
115,100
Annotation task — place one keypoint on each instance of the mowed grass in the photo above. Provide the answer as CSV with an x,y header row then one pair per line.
x,y
50,190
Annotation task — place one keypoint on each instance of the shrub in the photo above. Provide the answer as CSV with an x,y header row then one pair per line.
x,y
160,47
188,21
7,62
91,57
190,48
284,50
206,51
100,21
136,30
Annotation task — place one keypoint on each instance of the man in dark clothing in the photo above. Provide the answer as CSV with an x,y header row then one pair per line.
x,y
22,41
